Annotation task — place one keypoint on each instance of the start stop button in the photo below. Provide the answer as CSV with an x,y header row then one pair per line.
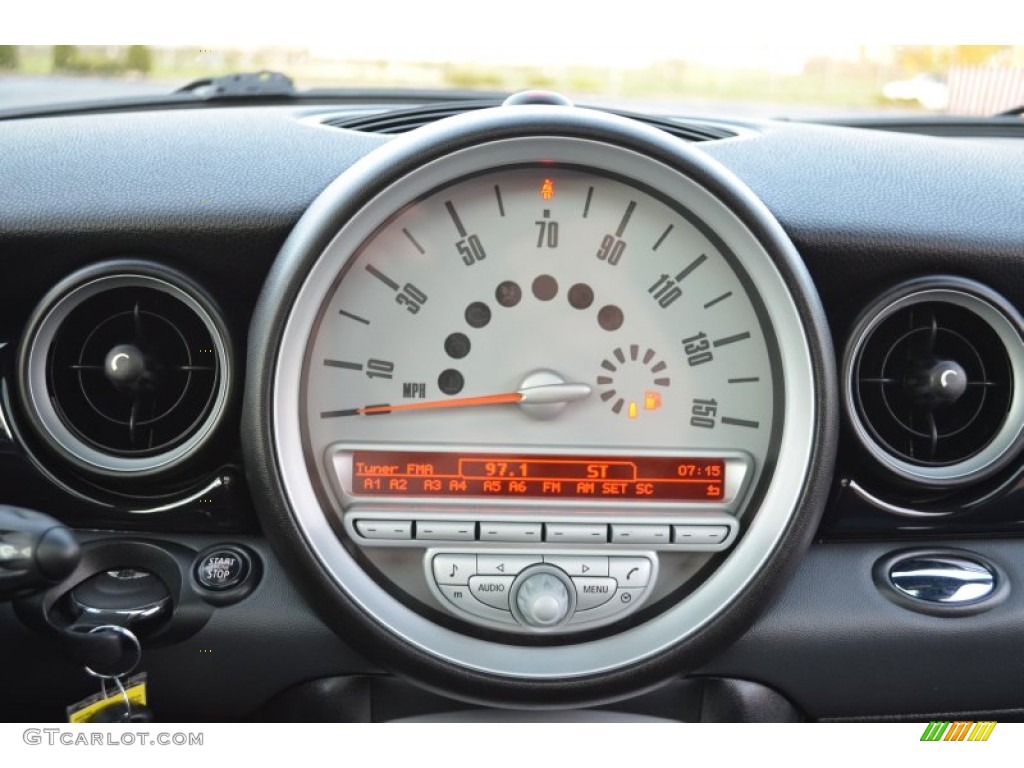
x,y
222,568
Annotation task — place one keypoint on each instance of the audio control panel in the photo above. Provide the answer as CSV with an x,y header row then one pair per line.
x,y
543,592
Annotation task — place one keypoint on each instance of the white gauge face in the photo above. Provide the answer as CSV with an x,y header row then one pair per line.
x,y
543,309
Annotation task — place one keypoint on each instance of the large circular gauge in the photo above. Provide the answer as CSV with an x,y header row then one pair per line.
x,y
547,396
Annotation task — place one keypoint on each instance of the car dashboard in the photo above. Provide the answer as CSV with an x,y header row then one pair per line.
x,y
407,410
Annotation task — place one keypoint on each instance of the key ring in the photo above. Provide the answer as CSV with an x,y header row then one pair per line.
x,y
134,641
121,688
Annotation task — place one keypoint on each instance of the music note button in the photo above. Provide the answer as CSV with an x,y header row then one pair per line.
x,y
454,569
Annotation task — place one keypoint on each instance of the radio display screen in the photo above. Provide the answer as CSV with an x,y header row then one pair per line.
x,y
436,474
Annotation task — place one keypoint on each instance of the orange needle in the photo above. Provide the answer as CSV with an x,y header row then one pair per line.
x,y
541,394
459,402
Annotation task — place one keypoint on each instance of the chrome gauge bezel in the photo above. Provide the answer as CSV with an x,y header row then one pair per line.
x,y
782,494
36,346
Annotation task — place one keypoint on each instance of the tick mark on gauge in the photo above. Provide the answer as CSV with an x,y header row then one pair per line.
x,y
343,364
625,218
618,405
351,316
382,277
723,297
336,414
455,218
501,205
693,265
508,293
478,314
608,365
745,380
619,354
608,394
412,240
732,339
586,205
662,238
740,422
545,287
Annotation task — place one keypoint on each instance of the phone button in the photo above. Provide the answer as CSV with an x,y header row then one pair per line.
x,y
630,571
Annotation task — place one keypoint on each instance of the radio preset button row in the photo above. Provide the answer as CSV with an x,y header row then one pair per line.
x,y
482,585
706,535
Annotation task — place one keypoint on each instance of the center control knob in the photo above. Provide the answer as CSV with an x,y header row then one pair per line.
x,y
543,597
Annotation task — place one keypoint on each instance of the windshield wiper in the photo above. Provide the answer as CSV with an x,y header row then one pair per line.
x,y
241,85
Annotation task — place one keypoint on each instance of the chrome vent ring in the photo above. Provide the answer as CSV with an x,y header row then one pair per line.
x,y
932,381
125,369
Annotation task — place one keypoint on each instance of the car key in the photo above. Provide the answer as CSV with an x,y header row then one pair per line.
x,y
126,702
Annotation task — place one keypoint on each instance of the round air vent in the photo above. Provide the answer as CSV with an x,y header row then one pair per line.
x,y
932,381
125,369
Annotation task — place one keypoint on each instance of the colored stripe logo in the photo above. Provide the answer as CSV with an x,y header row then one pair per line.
x,y
958,730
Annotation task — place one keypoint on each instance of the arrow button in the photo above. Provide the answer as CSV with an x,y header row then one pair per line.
x,y
505,564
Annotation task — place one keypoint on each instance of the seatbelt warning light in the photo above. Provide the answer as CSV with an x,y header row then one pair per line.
x,y
547,189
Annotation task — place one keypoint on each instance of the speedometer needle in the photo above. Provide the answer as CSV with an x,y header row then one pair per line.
x,y
539,395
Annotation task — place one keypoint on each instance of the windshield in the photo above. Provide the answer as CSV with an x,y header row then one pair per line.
x,y
738,81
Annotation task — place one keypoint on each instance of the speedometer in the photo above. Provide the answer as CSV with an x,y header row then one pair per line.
x,y
546,394
548,306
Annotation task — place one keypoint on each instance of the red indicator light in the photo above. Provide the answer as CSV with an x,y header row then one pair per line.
x,y
547,189
652,401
